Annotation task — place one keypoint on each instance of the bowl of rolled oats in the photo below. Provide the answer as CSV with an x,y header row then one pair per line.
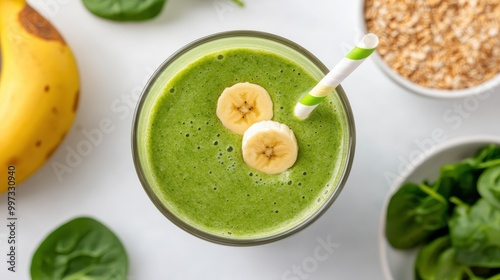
x,y
437,48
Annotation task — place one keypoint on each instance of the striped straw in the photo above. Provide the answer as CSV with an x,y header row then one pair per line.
x,y
345,67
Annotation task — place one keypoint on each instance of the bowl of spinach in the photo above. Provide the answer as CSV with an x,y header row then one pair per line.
x,y
441,220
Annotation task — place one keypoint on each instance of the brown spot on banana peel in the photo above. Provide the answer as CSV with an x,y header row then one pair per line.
x,y
37,25
13,161
75,103
46,88
38,143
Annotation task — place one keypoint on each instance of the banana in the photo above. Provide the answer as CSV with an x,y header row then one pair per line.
x,y
270,147
39,90
242,105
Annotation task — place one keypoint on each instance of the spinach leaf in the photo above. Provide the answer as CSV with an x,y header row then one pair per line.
x,y
488,156
437,261
129,10
488,153
488,186
413,214
475,234
125,10
447,268
82,248
463,176
427,258
444,186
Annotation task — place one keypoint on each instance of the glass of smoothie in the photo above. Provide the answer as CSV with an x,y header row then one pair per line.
x,y
191,166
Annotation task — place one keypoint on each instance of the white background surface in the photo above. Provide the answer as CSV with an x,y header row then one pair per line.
x,y
115,59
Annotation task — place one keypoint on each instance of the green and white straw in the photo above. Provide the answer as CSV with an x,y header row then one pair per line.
x,y
345,67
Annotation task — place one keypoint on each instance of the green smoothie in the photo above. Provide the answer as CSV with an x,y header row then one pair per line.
x,y
198,170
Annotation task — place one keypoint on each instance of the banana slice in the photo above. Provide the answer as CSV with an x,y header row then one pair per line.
x,y
242,105
270,147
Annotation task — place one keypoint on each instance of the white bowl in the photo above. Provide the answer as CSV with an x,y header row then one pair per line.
x,y
485,87
398,264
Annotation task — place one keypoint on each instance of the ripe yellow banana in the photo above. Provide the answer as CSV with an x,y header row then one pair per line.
x,y
38,91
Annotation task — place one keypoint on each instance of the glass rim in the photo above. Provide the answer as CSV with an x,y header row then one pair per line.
x,y
241,241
